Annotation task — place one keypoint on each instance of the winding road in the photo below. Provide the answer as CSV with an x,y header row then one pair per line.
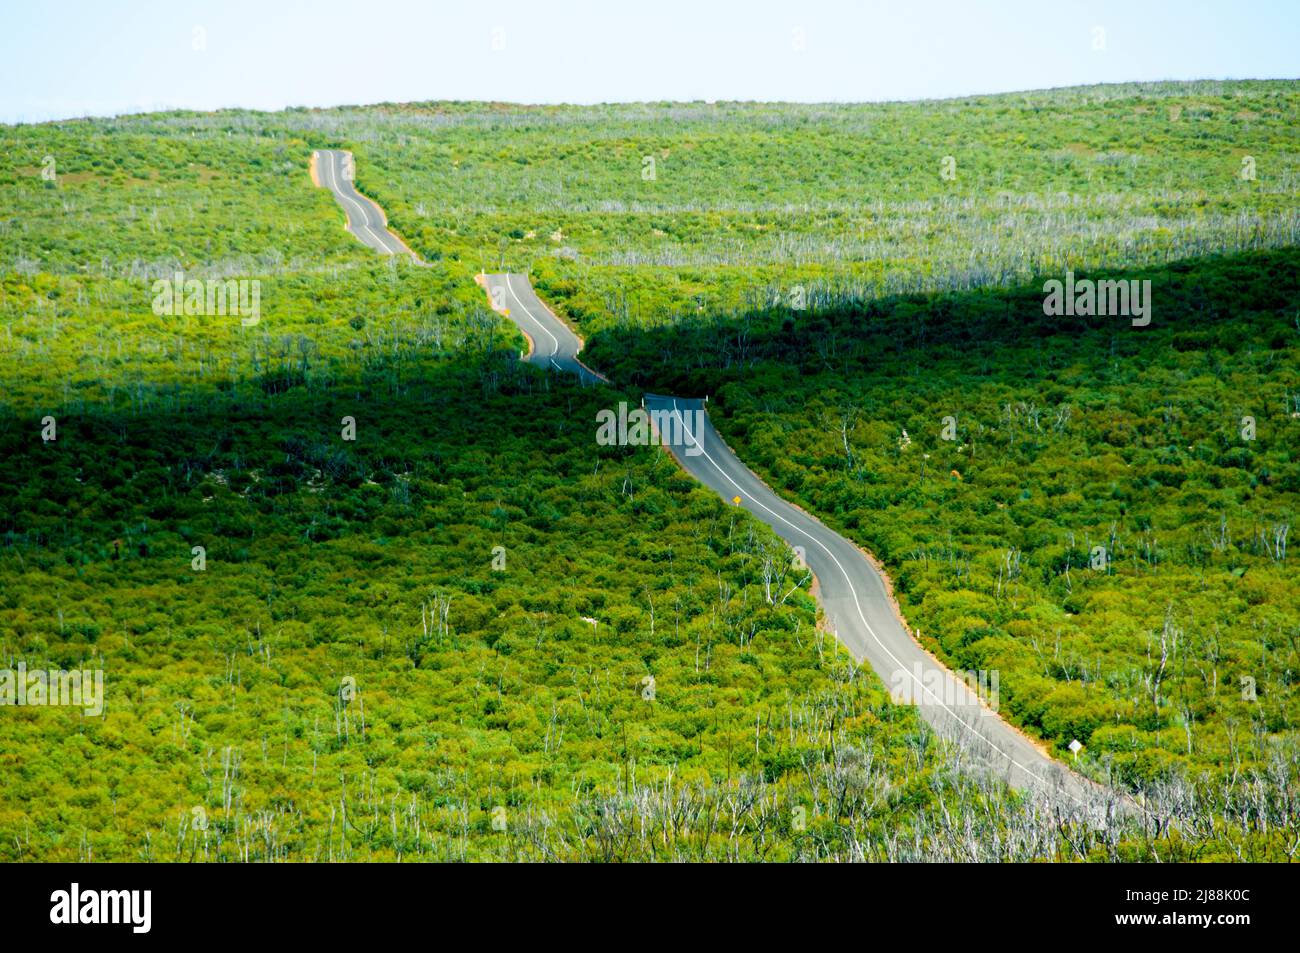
x,y
555,346
859,611
366,220
854,597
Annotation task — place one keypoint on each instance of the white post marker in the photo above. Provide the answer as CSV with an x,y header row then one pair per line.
x,y
1075,748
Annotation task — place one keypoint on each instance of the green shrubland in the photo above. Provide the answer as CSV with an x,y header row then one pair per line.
x,y
472,613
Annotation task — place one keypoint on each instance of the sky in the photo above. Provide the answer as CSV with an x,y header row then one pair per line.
x,y
99,57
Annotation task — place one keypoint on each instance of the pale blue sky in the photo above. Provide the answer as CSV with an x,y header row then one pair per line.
x,y
98,57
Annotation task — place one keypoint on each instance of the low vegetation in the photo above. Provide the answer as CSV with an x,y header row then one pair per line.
x,y
473,633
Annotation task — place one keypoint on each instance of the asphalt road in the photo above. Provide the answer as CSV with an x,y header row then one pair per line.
x,y
365,219
852,593
859,612
554,345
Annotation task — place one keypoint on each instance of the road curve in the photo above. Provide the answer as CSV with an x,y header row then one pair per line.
x,y
853,595
555,346
859,612
334,171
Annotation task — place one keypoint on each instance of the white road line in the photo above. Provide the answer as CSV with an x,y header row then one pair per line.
x,y
555,345
378,236
334,187
861,614
361,207
582,371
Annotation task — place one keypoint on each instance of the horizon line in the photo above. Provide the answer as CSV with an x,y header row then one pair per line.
x,y
163,110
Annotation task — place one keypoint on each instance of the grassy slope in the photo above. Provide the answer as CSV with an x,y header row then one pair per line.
x,y
299,519
1069,433
302,693
1084,434
749,201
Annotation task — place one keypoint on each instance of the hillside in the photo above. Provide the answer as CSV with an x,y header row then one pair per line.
x,y
473,632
